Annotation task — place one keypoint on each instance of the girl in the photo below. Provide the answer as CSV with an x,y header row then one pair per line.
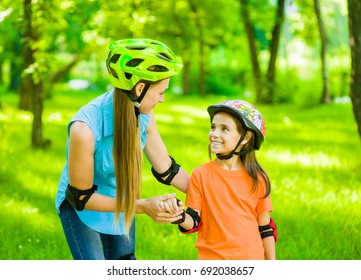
x,y
99,188
229,198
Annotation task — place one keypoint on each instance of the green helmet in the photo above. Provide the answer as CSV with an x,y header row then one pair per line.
x,y
133,60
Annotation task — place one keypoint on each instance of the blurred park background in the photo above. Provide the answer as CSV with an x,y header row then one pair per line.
x,y
298,61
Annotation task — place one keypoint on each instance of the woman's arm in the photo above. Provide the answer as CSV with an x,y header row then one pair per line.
x,y
268,242
81,166
155,209
81,174
158,156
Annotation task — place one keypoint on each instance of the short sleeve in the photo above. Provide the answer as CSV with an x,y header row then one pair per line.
x,y
264,204
194,193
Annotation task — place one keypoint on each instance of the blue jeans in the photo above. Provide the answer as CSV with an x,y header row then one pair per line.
x,y
88,244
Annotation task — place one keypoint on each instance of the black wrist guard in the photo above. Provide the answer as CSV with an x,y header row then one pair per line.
x,y
181,220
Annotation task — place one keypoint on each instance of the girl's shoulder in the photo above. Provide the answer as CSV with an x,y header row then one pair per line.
x,y
203,168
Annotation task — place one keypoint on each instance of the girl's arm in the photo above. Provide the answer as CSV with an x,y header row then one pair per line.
x,y
189,224
158,156
268,242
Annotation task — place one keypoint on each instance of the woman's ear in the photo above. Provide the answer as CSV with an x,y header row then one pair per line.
x,y
139,88
249,135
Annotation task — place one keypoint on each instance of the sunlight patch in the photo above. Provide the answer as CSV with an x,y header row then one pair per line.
x,y
317,159
24,117
29,210
55,117
165,118
186,120
4,117
344,198
191,111
287,121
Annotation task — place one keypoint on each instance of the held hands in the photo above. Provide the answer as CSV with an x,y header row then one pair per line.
x,y
174,203
164,209
171,205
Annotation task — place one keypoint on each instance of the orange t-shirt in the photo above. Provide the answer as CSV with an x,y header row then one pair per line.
x,y
229,212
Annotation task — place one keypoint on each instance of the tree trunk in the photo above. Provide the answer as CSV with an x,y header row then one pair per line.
x,y
202,52
37,132
325,79
32,93
276,34
257,76
354,12
185,77
27,85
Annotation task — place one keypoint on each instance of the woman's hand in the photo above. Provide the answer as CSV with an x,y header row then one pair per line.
x,y
162,209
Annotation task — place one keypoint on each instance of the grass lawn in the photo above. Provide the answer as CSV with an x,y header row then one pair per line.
x,y
312,156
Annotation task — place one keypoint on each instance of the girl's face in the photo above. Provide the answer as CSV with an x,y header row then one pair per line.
x,y
154,95
224,134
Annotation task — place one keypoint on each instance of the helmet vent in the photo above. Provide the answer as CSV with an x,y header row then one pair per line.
x,y
113,73
134,62
136,48
128,75
164,56
114,58
158,68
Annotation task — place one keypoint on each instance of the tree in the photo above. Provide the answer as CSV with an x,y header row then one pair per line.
x,y
31,85
248,26
354,12
264,90
199,22
43,45
325,79
276,34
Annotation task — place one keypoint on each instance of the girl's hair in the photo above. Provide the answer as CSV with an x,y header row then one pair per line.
x,y
127,153
249,160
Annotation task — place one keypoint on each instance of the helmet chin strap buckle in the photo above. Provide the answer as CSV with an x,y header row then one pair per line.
x,y
219,156
230,155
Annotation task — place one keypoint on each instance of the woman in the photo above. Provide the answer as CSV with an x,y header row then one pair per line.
x,y
99,188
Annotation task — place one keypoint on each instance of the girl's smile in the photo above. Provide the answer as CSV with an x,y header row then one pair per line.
x,y
224,134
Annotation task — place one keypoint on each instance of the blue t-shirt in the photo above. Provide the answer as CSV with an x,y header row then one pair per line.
x,y
99,116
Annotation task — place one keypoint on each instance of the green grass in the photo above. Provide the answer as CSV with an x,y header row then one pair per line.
x,y
312,156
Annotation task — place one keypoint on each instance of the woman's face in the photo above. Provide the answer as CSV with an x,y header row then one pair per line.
x,y
224,134
154,95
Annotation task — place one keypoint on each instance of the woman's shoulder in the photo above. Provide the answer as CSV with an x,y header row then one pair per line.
x,y
81,131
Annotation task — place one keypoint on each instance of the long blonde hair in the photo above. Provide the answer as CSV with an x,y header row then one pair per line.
x,y
127,153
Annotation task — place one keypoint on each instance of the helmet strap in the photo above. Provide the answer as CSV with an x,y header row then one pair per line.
x,y
137,101
141,96
230,155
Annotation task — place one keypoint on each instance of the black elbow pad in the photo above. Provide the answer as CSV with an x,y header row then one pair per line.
x,y
171,172
73,195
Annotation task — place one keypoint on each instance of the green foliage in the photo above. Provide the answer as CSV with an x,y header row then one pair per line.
x,y
86,28
312,155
